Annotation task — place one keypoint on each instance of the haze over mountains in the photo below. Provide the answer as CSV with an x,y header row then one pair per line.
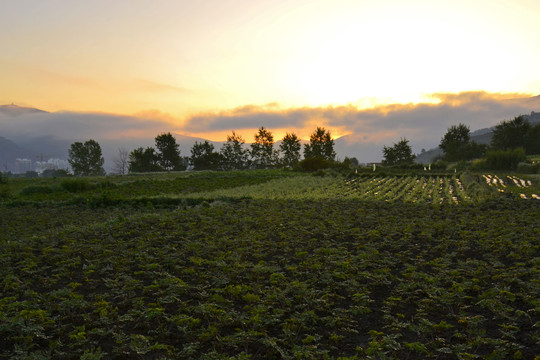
x,y
37,135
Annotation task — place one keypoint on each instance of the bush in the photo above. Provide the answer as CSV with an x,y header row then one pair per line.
x,y
75,185
107,184
479,164
439,165
3,179
505,159
54,173
528,168
31,190
314,164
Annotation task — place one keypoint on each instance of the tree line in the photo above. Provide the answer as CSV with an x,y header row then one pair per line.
x,y
86,158
511,141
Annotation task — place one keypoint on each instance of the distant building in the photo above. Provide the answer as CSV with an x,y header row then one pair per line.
x,y
51,164
23,165
533,118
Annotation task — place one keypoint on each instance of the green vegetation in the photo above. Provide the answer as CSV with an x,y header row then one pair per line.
x,y
271,264
86,159
398,154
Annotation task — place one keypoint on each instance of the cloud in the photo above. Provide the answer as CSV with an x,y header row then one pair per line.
x,y
422,123
366,130
79,126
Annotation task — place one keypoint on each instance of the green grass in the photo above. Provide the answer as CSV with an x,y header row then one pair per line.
x,y
268,265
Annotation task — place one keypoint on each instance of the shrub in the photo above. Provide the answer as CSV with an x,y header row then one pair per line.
x,y
528,168
31,190
3,179
107,184
439,165
314,164
55,173
505,159
479,164
75,185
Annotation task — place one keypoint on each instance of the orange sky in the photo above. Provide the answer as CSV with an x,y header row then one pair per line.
x,y
180,59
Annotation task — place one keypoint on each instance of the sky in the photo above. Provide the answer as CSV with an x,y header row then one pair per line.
x,y
205,68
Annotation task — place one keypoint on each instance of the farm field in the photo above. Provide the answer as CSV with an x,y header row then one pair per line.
x,y
271,265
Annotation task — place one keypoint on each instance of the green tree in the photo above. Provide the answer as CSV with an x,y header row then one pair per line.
x,y
262,151
233,154
321,145
351,162
398,154
168,153
203,156
532,140
455,141
144,160
290,148
510,134
86,159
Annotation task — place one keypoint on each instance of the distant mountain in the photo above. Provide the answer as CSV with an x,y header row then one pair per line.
x,y
348,146
14,110
9,152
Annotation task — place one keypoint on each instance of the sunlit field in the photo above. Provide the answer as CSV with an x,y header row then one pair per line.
x,y
271,264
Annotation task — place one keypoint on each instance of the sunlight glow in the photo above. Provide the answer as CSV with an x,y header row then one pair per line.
x,y
184,58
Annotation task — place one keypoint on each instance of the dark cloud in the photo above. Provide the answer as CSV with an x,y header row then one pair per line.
x,y
71,125
423,123
369,129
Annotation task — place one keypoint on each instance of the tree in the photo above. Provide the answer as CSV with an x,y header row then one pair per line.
x,y
510,134
398,154
290,147
234,156
262,150
454,142
121,162
532,140
168,153
86,159
351,162
203,156
143,160
321,145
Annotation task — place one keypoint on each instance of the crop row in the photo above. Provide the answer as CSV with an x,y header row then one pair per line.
x,y
512,183
439,190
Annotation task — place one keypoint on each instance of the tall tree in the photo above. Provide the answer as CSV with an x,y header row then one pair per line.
x,y
203,156
262,150
455,141
168,152
86,159
290,148
234,156
532,140
510,134
321,145
143,160
398,154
